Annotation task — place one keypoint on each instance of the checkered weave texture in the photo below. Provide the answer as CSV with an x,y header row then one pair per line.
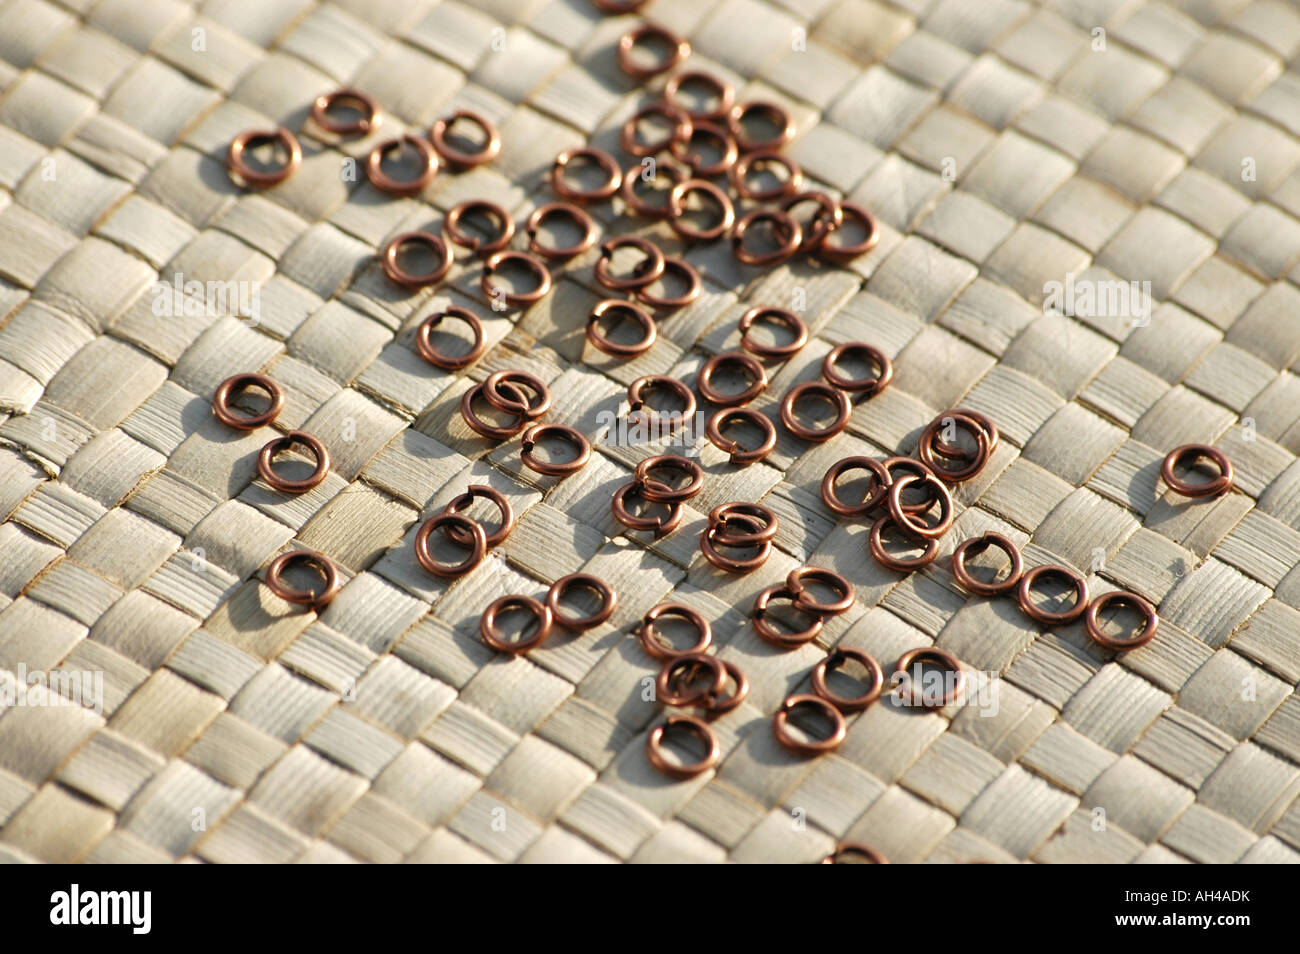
x,y
1003,144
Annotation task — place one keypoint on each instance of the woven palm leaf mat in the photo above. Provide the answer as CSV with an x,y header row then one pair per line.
x,y
1004,145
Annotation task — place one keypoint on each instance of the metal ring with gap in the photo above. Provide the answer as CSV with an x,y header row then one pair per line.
x,y
428,161
677,211
564,210
647,270
478,544
683,723
910,522
694,160
371,114
828,217
1151,620
875,357
667,302
780,118
465,500
263,178
659,526
785,230
628,138
615,306
909,465
441,254
670,691
930,439
1024,595
608,600
487,624
758,617
505,226
817,389
655,382
837,658
764,531
843,254
640,206
628,42
880,475
424,342
238,384
781,316
656,647
512,404
709,544
754,370
494,263
738,454
945,449
780,725
571,435
906,691
266,462
723,92
659,492
886,559
329,573
1189,454
748,160
458,158
977,545
794,582
613,175
482,427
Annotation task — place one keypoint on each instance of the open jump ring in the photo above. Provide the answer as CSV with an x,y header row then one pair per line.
x,y
644,35
677,266
262,178
656,647
659,492
740,455
266,462
1024,595
928,447
648,270
841,254
1189,454
678,682
511,401
505,226
427,160
631,143
726,216
371,114
781,316
570,435
752,369
977,545
795,583
659,526
910,522
723,94
315,598
762,626
749,160
764,531
780,119
909,694
608,600
497,260
459,158
451,521
880,481
428,352
683,724
728,152
883,367
899,564
815,389
487,624
709,544
655,382
484,428
786,231
233,386
837,658
598,157
561,210
441,255
1151,621
781,728
616,306
465,500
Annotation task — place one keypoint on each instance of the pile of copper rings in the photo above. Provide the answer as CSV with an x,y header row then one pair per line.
x,y
757,527
835,390
465,532
546,614
224,409
795,589
657,493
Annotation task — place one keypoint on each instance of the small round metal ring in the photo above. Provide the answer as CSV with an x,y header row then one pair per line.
x,y
677,683
709,544
315,598
748,415
926,448
1188,454
441,256
911,522
656,647
262,178
815,389
750,160
945,449
607,164
459,158
837,658
1024,595
722,92
608,600
849,849
487,624
763,532
780,725
494,264
661,382
616,306
898,564
237,385
424,341
648,269
428,162
1151,620
689,724
452,521
794,582
629,134
909,465
780,316
465,500
562,210
907,692
510,402
842,254
881,480
659,492
879,361
482,427
683,152
568,434
505,226
784,229
645,35
828,217
779,117
676,266
677,211
266,462
371,114
659,526
977,545
638,173
769,632
750,366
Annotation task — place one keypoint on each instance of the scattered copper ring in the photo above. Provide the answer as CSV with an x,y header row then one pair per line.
x,y
740,455
794,582
505,226
483,428
784,229
880,488
896,563
608,600
441,255
816,389
458,158
1189,453
565,210
751,158
666,302
487,624
424,343
952,450
754,370
659,492
779,116
636,403
725,95
837,658
828,217
677,211
1147,633
781,316
386,183
259,178
769,632
549,468
237,384
841,254
902,673
613,175
814,746
929,441
764,531
682,723
330,581
715,703
640,206
463,501
877,358
659,526
682,127
646,31
977,545
616,306
540,272
656,647
909,465
460,523
513,405
647,270
681,149
709,544
911,522
689,666
266,462
850,849
371,114
1025,597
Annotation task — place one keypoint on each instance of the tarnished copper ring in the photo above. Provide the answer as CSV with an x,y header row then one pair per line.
x,y
758,617
667,302
677,210
459,522
635,174
688,666
955,451
1144,636
880,488
566,210
628,42
647,270
616,306
906,691
754,370
1189,453
794,582
510,402
723,92
487,624
682,127
329,573
781,316
262,178
815,746
977,545
841,254
779,116
266,462
608,600
850,849
656,647
386,183
656,382
613,174
682,723
237,384
899,564
1024,595
929,441
505,226
441,255
910,522
709,544
836,659
785,230
877,358
828,217
740,455
571,435
682,151
463,501
540,272
659,526
458,158
424,342
659,492
482,427
816,388
371,114
749,160
764,531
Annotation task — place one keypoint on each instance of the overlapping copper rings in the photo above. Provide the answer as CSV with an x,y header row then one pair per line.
x,y
648,269
828,217
836,660
371,114
660,526
598,157
315,598
436,246
492,635
510,403
1150,620
661,382
929,447
830,247
426,158
505,226
689,725
629,135
465,500
1188,455
908,465
977,545
495,262
722,92
460,158
740,455
659,492
728,359
659,649
561,210
879,486
617,308
796,582
852,850
815,389
679,683
235,386
780,316
726,215
648,34
492,431
781,727
878,360
764,627
640,206
785,232
672,266
569,435
753,159
779,117
424,341
262,178
910,522
313,445
761,525
909,694
578,581
876,543
720,136
1024,595
452,522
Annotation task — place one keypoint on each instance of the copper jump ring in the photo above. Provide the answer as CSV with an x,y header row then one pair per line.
x,y
977,545
570,435
661,382
659,526
510,402
878,360
815,389
955,451
908,465
828,217
487,624
795,583
780,725
482,427
607,164
648,34
371,114
748,415
441,256
899,564
689,725
1151,621
779,315
678,682
238,384
709,544
832,251
465,500
1024,595
424,342
505,226
683,152
722,92
428,162
629,134
659,492
617,307
785,231
645,173
912,522
659,649
608,600
1188,454
764,531
907,692
880,481
497,260
751,368
750,160
262,178
561,210
315,598
836,660
779,117
677,211
266,462
764,628
677,266
649,268
452,521
927,447
458,158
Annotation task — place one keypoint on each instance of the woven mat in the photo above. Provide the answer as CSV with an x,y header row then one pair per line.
x,y
1004,145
